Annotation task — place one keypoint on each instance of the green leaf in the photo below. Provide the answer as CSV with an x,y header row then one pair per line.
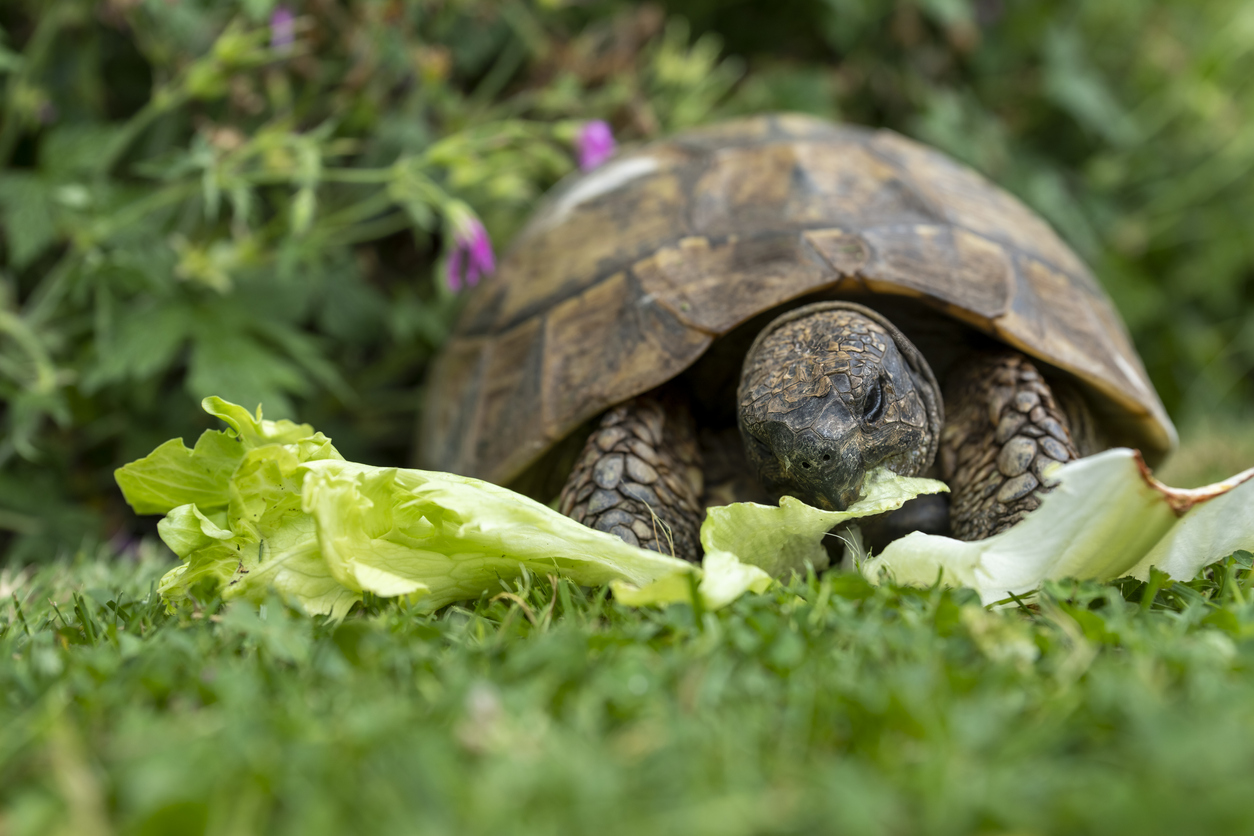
x,y
787,539
172,475
270,505
447,538
9,61
144,344
722,579
71,150
747,544
244,368
209,475
30,226
303,207
255,431
1082,92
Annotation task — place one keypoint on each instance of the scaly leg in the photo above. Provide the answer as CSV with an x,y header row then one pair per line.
x,y
1003,428
639,477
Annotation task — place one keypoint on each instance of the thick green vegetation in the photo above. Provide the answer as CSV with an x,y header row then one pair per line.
x,y
824,706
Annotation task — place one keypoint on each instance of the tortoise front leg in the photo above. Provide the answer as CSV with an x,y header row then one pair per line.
x,y
1003,427
639,477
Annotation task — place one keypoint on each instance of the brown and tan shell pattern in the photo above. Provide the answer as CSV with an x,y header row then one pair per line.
x,y
626,275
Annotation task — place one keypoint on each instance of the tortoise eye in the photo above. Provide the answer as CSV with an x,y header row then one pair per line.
x,y
873,406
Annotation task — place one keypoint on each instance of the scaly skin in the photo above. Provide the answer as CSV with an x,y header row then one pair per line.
x,y
639,477
1005,429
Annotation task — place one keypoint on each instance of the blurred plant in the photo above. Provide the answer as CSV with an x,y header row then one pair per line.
x,y
251,199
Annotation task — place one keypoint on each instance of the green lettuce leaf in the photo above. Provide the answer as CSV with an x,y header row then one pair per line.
x,y
747,544
449,538
173,475
789,538
1107,518
722,579
271,505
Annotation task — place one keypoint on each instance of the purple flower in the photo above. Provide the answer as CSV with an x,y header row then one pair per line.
x,y
282,29
471,256
595,144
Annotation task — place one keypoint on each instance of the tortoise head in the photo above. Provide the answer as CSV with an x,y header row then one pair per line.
x,y
827,393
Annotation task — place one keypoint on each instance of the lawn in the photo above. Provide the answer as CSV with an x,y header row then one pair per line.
x,y
260,200
827,705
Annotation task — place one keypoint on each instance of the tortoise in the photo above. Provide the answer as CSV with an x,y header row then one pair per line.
x,y
775,306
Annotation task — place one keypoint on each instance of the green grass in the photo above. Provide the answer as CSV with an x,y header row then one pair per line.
x,y
825,706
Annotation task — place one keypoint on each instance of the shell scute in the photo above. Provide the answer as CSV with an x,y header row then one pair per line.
x,y
715,285
606,339
573,244
943,263
458,377
508,428
795,185
969,201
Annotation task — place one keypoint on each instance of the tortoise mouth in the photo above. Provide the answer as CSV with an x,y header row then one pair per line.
x,y
819,468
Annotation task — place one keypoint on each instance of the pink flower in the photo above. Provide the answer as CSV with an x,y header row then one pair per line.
x,y
282,29
595,144
471,256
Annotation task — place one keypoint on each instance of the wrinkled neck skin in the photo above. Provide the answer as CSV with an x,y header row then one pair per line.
x,y
829,392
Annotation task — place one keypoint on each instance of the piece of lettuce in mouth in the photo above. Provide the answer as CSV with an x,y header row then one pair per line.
x,y
777,541
272,505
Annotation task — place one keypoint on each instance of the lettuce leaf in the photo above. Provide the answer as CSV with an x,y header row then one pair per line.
x,y
173,475
787,539
723,579
1107,518
448,538
271,505
747,544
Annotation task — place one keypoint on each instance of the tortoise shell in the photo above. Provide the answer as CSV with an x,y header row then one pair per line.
x,y
625,277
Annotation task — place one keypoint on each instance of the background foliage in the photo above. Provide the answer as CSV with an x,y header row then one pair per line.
x,y
190,204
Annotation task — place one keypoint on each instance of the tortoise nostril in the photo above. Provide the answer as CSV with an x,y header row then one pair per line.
x,y
826,457
806,465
